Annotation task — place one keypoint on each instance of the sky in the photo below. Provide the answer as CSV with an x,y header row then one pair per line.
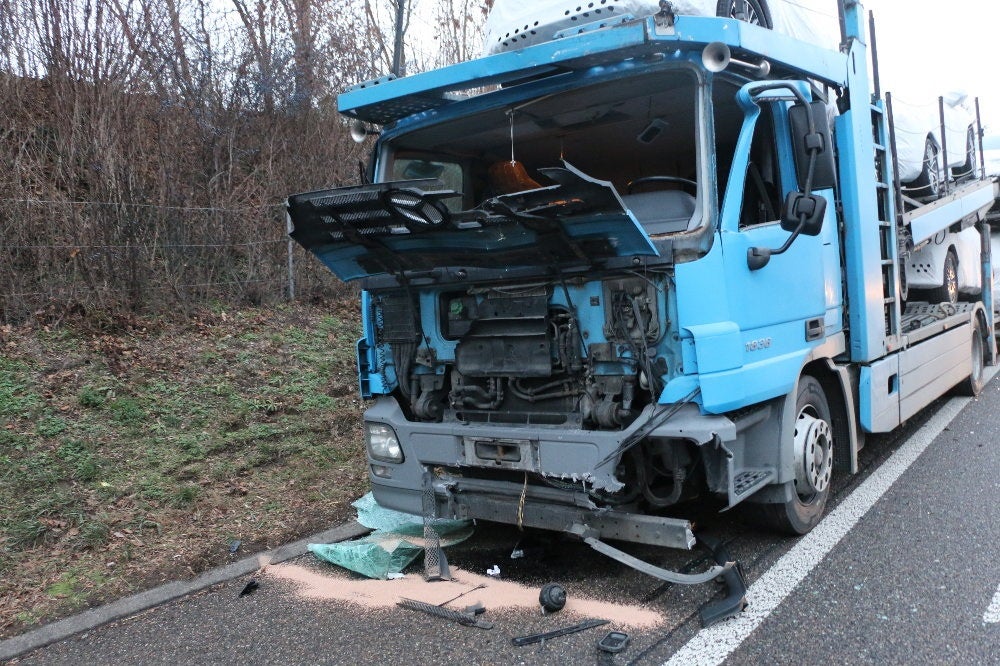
x,y
927,47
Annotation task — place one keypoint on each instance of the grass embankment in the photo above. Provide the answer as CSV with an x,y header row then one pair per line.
x,y
136,454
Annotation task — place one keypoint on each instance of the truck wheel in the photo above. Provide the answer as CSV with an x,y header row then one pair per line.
x,y
973,384
813,446
927,185
755,12
948,291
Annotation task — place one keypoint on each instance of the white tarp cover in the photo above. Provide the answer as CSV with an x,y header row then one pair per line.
x,y
515,24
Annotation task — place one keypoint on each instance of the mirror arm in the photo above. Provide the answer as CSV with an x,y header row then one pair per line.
x,y
758,257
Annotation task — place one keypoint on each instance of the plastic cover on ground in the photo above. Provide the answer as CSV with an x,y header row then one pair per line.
x,y
397,540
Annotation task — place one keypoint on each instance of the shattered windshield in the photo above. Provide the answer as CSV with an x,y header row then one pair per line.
x,y
639,134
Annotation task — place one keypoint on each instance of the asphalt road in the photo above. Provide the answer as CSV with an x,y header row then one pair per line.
x,y
910,580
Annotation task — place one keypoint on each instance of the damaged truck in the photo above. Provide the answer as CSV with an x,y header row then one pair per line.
x,y
639,261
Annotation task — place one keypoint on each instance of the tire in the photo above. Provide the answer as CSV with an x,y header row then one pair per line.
x,y
927,185
804,510
973,384
948,291
968,170
904,285
755,12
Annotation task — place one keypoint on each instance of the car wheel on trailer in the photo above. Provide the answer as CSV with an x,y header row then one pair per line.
x,y
755,12
973,384
928,184
948,291
813,455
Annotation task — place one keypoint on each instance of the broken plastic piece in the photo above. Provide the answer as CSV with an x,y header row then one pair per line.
x,y
475,609
494,570
614,642
234,546
552,597
555,633
394,575
395,543
249,588
446,614
655,571
736,598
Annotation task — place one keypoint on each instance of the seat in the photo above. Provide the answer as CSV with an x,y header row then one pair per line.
x,y
663,211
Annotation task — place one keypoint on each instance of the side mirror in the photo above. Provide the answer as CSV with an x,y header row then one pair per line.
x,y
803,213
817,141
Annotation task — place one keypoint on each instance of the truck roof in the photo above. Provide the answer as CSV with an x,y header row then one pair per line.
x,y
387,100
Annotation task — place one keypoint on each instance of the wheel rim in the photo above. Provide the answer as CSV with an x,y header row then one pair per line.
x,y
977,357
951,280
747,10
813,454
931,166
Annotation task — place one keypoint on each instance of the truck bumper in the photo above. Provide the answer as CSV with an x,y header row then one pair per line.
x,y
571,458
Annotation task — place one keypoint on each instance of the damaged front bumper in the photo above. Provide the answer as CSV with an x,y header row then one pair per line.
x,y
474,472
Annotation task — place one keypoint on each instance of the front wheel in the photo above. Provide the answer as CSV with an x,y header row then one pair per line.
x,y
973,384
813,454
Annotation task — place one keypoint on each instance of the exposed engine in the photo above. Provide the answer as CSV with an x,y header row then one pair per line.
x,y
521,356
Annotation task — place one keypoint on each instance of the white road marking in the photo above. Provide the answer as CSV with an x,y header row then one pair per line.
x,y
715,644
992,614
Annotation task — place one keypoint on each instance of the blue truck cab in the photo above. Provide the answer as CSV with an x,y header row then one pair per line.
x,y
644,264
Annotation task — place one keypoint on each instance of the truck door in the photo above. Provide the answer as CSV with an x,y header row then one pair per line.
x,y
795,301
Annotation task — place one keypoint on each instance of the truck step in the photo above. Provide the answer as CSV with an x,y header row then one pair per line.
x,y
748,481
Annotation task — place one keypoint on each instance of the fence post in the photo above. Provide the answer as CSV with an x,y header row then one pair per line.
x,y
291,258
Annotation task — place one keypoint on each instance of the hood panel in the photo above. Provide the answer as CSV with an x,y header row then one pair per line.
x,y
401,226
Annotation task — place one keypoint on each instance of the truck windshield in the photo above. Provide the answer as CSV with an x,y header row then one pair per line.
x,y
640,133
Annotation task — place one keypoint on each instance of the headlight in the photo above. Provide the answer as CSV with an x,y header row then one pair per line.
x,y
383,443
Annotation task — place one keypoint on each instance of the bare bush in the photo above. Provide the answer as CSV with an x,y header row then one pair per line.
x,y
146,146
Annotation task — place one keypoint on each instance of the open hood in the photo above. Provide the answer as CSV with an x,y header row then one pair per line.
x,y
405,226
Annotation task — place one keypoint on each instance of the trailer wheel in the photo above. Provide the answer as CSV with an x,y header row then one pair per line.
x,y
755,12
813,443
927,185
948,291
973,384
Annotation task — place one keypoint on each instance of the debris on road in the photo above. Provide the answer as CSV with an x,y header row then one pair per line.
x,y
249,588
555,633
447,614
552,597
397,540
613,642
494,570
335,585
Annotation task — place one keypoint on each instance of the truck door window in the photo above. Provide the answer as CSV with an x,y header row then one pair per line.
x,y
762,190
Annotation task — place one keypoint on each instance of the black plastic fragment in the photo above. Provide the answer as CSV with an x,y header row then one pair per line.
x,y
552,597
249,588
736,588
614,642
555,633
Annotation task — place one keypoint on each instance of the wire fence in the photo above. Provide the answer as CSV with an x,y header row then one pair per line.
x,y
58,257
